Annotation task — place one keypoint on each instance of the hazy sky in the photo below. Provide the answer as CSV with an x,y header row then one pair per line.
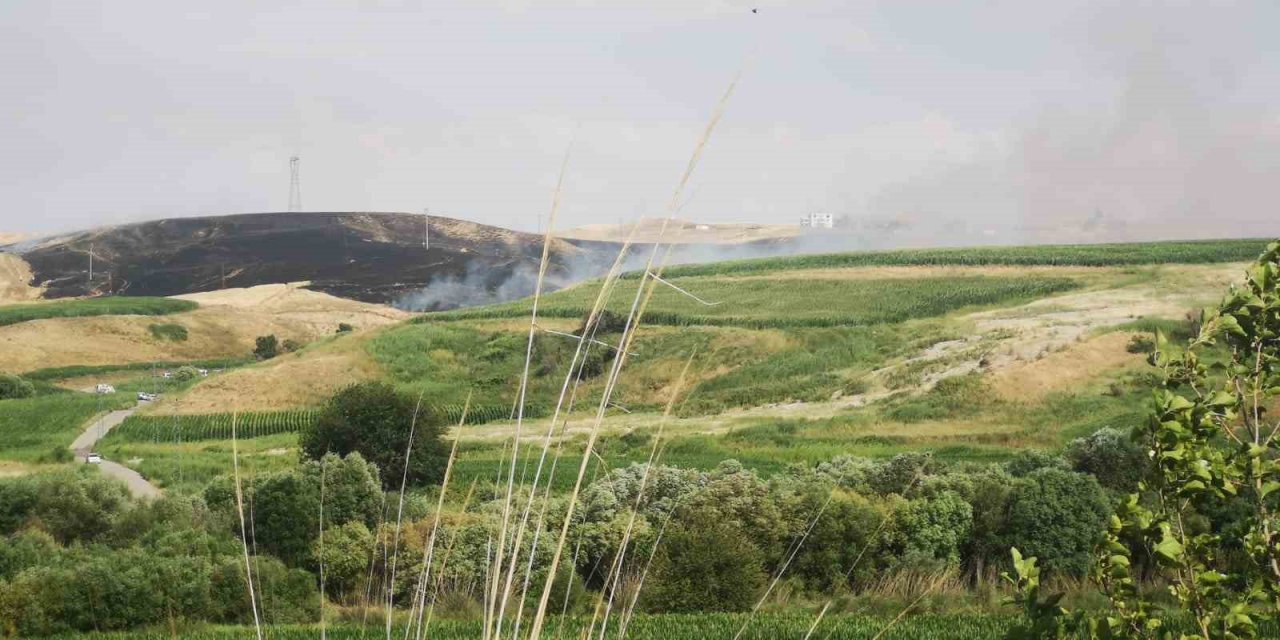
x,y
1004,115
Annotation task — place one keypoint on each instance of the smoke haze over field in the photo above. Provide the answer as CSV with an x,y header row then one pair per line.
x,y
922,123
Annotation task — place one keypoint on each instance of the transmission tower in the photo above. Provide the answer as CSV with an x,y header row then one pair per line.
x,y
295,187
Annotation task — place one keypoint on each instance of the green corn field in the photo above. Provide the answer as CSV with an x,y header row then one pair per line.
x,y
782,302
214,426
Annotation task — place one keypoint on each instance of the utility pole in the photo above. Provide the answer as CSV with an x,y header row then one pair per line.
x,y
295,186
426,228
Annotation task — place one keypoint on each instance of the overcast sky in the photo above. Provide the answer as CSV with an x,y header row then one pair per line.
x,y
1023,116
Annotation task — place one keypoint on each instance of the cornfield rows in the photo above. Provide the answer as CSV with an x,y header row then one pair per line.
x,y
214,426
217,426
1094,255
782,302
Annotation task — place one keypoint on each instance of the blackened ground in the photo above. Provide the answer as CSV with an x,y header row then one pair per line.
x,y
373,257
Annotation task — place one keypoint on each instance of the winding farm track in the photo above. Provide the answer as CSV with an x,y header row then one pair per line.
x,y
94,431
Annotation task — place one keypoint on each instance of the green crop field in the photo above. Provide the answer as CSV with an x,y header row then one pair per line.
x,y
1093,255
765,626
40,429
216,426
109,306
785,302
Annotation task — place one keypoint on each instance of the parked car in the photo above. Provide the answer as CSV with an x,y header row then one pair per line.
x,y
93,458
143,396
104,388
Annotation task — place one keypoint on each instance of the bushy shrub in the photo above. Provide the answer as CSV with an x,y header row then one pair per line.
x,y
705,563
927,533
1110,456
168,331
71,506
1027,461
186,373
266,347
14,387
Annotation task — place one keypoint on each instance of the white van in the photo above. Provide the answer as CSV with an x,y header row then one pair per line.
x,y
104,388
93,458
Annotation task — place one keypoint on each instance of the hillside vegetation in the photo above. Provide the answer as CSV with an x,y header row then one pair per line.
x,y
110,306
877,435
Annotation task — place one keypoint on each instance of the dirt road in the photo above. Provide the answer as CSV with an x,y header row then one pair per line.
x,y
94,431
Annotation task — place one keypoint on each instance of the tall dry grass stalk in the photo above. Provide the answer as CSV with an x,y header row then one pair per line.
x,y
419,603
628,336
320,542
522,396
614,577
404,482
244,538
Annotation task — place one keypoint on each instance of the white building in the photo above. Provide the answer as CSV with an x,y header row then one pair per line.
x,y
818,221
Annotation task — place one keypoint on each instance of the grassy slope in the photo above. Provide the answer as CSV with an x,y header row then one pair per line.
x,y
39,429
763,349
109,306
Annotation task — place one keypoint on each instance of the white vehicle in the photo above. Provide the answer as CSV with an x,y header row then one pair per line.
x,y
104,388
204,373
168,375
143,396
93,458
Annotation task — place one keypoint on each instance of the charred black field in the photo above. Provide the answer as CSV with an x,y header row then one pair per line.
x,y
372,257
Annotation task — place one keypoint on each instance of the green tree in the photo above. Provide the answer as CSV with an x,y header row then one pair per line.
x,y
1057,515
376,421
266,347
1212,449
185,373
928,532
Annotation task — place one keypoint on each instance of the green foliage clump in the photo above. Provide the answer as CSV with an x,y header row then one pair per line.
x,y
1110,456
266,347
1058,515
1207,511
705,564
386,427
345,328
186,374
287,504
14,387
169,331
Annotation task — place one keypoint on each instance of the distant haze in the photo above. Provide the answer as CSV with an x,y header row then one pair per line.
x,y
922,123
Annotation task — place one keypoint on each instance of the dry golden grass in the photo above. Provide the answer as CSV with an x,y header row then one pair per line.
x,y
15,280
1069,368
224,326
289,381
